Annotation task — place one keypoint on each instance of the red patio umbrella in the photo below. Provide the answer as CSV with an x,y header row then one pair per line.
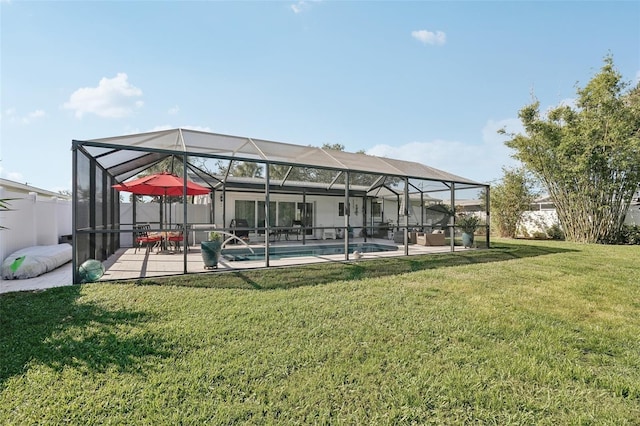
x,y
161,184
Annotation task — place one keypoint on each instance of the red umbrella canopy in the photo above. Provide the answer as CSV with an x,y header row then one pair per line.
x,y
161,184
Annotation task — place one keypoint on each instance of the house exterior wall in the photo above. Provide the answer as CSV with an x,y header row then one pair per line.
x,y
325,210
325,214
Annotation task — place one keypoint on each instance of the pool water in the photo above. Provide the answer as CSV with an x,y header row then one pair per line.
x,y
275,253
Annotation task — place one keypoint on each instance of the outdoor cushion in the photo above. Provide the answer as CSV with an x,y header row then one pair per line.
x,y
33,261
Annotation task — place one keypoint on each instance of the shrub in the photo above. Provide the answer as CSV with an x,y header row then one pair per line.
x,y
555,232
629,234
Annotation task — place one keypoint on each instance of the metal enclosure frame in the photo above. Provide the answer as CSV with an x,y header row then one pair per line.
x,y
98,164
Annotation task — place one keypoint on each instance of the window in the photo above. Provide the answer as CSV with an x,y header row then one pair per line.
x,y
376,209
246,210
261,213
286,213
341,211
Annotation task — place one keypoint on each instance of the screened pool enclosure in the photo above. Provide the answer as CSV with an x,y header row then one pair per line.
x,y
262,194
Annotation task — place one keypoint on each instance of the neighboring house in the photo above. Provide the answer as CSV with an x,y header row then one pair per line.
x,y
36,217
633,215
543,215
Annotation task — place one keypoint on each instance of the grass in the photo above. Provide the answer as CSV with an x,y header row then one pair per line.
x,y
525,333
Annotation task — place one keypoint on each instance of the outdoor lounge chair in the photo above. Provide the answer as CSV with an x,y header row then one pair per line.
x,y
434,239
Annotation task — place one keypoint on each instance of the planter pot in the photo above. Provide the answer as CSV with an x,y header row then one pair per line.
x,y
467,239
210,253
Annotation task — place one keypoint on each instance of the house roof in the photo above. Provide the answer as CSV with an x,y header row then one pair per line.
x,y
24,188
126,156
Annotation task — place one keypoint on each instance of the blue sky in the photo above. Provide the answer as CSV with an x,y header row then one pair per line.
x,y
423,81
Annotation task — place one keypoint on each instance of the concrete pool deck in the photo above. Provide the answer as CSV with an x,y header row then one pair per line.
x,y
126,264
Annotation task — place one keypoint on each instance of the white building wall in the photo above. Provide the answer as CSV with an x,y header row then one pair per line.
x,y
325,210
537,221
633,215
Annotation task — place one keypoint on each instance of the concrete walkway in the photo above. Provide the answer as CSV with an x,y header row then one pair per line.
x,y
57,278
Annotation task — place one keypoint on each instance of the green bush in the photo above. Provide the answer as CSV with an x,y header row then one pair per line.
x,y
629,234
555,232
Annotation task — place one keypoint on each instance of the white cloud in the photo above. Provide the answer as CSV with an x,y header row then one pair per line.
x,y
428,37
482,162
299,6
174,110
33,115
14,176
13,117
302,5
112,98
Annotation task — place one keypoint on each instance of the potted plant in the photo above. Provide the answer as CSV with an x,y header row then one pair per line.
x,y
211,250
467,223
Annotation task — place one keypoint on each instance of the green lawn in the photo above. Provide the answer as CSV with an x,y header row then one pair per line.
x,y
525,333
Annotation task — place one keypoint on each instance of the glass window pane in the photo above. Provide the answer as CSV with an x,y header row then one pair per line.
x,y
245,209
272,213
286,213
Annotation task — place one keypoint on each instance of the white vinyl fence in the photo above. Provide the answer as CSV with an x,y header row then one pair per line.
x,y
32,221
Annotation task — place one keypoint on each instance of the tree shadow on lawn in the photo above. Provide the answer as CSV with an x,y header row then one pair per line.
x,y
324,273
53,328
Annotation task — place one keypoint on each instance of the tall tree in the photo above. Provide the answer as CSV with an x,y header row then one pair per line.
x,y
587,156
4,206
246,168
171,164
510,198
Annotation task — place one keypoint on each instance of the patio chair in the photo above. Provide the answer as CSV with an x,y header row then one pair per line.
x,y
328,234
141,236
177,237
240,228
295,229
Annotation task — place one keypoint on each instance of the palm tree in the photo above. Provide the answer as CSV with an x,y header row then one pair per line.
x,y
4,206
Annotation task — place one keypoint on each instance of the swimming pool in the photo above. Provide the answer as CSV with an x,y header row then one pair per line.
x,y
275,253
